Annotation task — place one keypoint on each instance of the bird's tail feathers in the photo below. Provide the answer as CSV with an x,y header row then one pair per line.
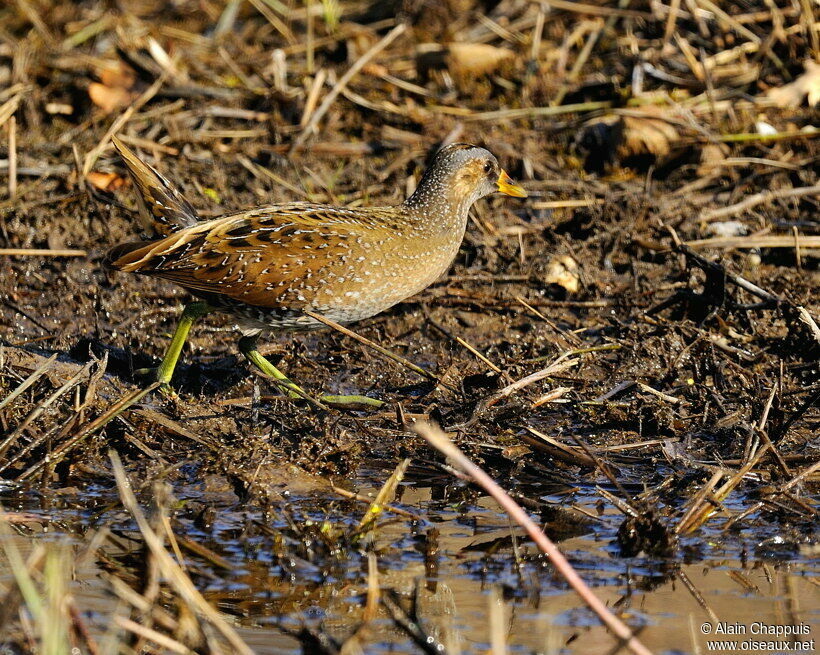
x,y
162,208
113,259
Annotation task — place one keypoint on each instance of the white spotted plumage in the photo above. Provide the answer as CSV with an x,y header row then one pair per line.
x,y
266,266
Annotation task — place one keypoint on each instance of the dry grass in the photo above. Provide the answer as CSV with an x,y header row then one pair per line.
x,y
647,322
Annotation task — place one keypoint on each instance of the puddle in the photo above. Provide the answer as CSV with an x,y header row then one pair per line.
x,y
455,559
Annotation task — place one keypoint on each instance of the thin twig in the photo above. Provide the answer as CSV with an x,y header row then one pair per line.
x,y
525,112
478,354
41,252
43,406
708,265
760,198
808,319
122,119
31,379
164,641
441,442
360,63
175,576
379,349
12,157
755,242
596,10
58,454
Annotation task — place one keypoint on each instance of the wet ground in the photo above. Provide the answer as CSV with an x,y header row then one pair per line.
x,y
671,448
455,556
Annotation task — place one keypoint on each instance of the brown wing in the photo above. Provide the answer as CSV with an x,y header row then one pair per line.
x,y
272,256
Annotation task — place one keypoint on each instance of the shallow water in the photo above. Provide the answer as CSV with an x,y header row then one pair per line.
x,y
457,577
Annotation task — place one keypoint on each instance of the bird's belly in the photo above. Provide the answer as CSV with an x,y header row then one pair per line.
x,y
344,300
253,320
370,292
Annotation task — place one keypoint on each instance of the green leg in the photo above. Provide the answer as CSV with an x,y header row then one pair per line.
x,y
165,370
247,346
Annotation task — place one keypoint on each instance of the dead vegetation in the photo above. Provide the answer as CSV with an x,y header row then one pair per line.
x,y
642,333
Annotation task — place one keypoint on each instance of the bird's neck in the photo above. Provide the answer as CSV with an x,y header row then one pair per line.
x,y
439,208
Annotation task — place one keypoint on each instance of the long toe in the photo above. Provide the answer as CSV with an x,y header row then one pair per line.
x,y
155,374
351,402
147,372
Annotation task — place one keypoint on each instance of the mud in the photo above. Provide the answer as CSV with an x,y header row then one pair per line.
x,y
674,370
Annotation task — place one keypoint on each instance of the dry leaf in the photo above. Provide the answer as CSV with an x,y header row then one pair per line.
x,y
764,128
563,271
109,98
105,181
728,229
515,453
712,156
114,89
613,138
805,86
117,74
475,58
646,135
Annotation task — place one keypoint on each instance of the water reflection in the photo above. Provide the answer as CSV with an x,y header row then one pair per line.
x,y
450,563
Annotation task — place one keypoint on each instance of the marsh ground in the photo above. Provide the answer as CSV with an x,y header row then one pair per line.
x,y
667,260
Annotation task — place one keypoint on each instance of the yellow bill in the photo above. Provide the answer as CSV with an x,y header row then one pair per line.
x,y
506,185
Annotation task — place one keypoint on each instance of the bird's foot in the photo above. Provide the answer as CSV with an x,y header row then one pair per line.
x,y
168,392
351,402
295,392
156,374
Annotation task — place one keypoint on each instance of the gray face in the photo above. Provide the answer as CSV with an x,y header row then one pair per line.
x,y
459,175
475,170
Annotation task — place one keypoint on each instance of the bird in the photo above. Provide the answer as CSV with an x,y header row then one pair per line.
x,y
269,265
